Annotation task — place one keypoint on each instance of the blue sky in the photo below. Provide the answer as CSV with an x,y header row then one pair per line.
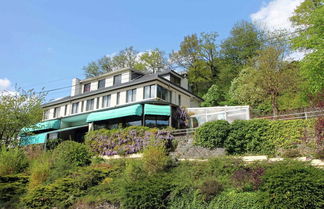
x,y
46,43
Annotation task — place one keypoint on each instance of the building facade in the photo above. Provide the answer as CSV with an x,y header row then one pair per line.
x,y
120,98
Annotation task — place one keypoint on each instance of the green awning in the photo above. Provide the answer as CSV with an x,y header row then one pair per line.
x,y
116,113
46,125
33,139
157,109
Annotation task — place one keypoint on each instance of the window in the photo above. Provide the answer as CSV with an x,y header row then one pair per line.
x,y
46,114
179,99
175,80
65,110
90,104
156,121
86,87
118,98
57,112
164,94
117,79
97,104
149,91
131,95
101,83
82,106
75,107
106,101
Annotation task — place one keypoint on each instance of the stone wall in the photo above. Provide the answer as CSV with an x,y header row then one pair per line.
x,y
187,150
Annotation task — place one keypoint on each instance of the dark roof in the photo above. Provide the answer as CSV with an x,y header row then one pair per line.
x,y
142,79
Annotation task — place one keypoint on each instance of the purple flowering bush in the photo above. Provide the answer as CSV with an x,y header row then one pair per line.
x,y
126,141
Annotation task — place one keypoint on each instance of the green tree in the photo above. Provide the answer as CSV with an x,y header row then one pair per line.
x,y
309,21
237,50
92,70
266,82
213,97
153,61
199,56
18,110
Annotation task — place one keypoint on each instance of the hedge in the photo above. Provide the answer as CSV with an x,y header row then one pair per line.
x,y
257,136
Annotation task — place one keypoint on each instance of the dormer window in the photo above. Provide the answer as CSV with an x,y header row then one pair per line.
x,y
101,83
176,80
86,87
117,79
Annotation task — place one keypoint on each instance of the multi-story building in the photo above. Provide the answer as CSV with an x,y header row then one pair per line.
x,y
120,98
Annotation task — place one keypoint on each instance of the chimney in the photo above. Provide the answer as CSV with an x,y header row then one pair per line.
x,y
76,87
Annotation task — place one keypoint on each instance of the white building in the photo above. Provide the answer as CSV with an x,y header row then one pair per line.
x,y
120,98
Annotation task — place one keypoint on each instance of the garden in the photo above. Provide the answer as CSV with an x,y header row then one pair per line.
x,y
72,175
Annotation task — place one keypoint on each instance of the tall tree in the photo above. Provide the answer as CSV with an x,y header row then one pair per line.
x,y
18,110
309,21
266,82
153,61
199,56
126,58
237,50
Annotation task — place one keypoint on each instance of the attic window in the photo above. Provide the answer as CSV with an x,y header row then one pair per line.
x,y
86,87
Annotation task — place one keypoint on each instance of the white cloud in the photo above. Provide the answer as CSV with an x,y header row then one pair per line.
x,y
4,83
275,15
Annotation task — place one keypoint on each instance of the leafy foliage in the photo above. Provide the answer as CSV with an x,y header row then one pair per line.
x,y
293,185
212,134
210,188
129,140
213,97
64,191
40,169
12,187
155,159
309,19
242,200
150,192
19,110
12,161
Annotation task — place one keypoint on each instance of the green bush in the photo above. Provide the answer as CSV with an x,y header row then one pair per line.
x,y
134,170
53,143
210,189
40,169
73,153
64,191
67,156
292,184
155,159
212,134
249,136
150,192
12,161
235,200
287,134
12,187
189,199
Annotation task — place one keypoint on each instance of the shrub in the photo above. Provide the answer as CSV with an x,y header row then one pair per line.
x,y
64,191
155,159
134,170
150,192
224,166
249,136
53,143
40,169
235,200
248,178
12,161
210,188
291,153
111,142
288,134
67,156
11,189
33,151
292,184
212,134
189,199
